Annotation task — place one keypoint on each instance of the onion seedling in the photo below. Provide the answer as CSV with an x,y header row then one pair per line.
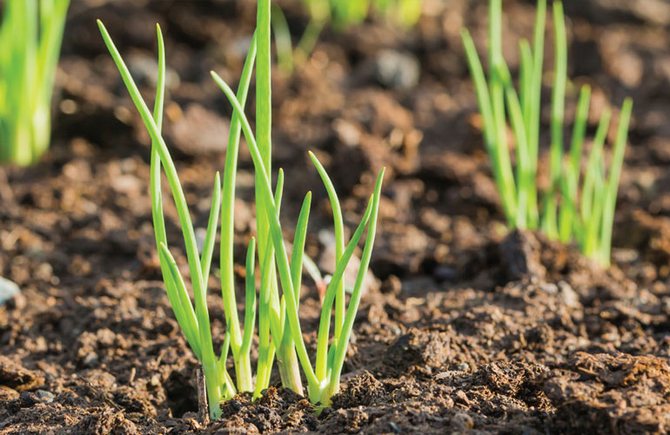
x,y
341,14
30,41
323,379
574,207
194,321
277,312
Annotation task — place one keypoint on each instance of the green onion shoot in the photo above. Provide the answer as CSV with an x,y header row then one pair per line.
x,y
579,203
341,14
271,311
30,39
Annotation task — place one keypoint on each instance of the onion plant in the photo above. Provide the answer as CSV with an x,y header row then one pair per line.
x,y
345,13
579,203
341,14
274,308
30,40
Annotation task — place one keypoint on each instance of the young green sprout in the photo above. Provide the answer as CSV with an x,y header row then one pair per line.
x,y
30,40
276,304
341,14
574,207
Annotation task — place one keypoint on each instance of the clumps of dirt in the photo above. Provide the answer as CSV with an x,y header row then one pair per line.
x,y
515,379
91,345
14,376
278,410
652,233
106,421
418,351
611,393
472,329
362,389
520,256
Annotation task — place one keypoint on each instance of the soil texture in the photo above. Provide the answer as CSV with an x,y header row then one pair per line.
x,y
466,328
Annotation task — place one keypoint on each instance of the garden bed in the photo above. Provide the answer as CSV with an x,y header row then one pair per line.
x,y
469,328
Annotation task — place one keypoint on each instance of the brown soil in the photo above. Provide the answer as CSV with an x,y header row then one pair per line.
x,y
471,330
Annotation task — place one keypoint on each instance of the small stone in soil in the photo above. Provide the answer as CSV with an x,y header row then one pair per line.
x,y
90,359
30,398
394,427
8,290
397,70
568,295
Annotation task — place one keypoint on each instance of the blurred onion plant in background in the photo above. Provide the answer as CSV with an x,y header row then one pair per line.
x,y
30,41
578,205
341,14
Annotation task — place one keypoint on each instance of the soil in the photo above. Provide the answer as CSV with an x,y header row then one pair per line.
x,y
471,328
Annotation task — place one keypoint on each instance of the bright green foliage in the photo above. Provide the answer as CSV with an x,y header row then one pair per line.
x,y
30,40
279,319
345,13
276,303
341,14
574,207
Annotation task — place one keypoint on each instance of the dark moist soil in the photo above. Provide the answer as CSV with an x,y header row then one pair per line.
x,y
468,329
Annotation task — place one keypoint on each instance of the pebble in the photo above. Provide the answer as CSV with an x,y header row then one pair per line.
x,y
347,132
394,427
568,294
90,359
8,290
40,396
463,366
44,396
549,287
397,70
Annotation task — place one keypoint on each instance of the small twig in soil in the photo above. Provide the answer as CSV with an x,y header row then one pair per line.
x,y
6,194
203,408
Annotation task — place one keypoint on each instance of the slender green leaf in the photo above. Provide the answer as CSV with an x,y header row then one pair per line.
x,y
210,234
338,223
298,253
179,300
250,298
352,309
331,294
557,116
612,186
